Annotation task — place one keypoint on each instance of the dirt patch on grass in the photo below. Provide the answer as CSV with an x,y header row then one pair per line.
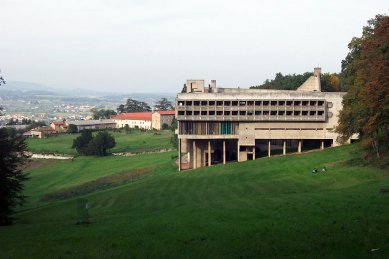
x,y
98,184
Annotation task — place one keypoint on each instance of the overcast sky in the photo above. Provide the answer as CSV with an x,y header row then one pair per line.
x,y
154,46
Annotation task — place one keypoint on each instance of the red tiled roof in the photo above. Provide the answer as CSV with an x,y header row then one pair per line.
x,y
167,112
144,116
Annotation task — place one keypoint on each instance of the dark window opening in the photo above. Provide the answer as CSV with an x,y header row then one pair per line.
x,y
242,113
273,113
234,103
289,113
320,113
312,103
258,112
304,103
304,113
296,113
196,103
211,113
289,103
227,103
203,112
196,113
219,103
258,103
249,113
273,103
297,103
227,113
312,113
203,103
250,103
265,103
181,113
265,112
219,113
234,113
320,103
281,113
189,113
211,103
242,103
281,103
188,103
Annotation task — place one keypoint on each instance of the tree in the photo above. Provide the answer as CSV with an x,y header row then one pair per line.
x,y
12,156
365,74
164,105
127,128
81,142
329,82
102,114
133,106
101,143
88,145
72,128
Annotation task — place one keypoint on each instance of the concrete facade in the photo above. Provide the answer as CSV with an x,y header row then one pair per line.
x,y
217,125
161,118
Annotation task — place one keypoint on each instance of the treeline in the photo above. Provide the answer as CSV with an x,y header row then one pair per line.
x,y
329,82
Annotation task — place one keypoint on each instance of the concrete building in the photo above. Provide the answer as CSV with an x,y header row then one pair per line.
x,y
217,125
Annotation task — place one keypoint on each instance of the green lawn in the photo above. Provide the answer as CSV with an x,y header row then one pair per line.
x,y
265,208
136,142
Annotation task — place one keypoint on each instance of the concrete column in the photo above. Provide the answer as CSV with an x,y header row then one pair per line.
x,y
224,152
194,155
284,148
209,153
322,145
254,152
269,149
299,148
238,152
179,154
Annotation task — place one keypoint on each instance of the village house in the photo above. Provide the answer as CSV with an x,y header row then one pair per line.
x,y
59,126
41,132
145,120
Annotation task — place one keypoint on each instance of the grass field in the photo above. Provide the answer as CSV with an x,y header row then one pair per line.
x,y
136,142
265,208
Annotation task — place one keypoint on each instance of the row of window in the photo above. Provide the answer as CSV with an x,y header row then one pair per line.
x,y
251,113
253,103
208,128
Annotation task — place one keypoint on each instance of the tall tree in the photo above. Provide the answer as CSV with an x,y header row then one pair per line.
x,y
12,155
82,141
133,106
365,74
164,105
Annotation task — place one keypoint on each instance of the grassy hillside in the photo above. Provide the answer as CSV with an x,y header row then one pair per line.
x,y
136,142
265,208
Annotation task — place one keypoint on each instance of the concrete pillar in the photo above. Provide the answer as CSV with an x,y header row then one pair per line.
x,y
254,152
179,154
194,155
238,152
224,152
269,149
209,153
322,145
284,148
299,148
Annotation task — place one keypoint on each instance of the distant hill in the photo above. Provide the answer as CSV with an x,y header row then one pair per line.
x,y
29,90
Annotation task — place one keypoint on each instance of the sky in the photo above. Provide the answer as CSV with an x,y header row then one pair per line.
x,y
155,46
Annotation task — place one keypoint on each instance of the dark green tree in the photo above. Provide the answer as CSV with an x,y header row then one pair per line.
x,y
12,156
81,142
35,124
102,114
127,129
133,106
72,128
100,144
164,105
